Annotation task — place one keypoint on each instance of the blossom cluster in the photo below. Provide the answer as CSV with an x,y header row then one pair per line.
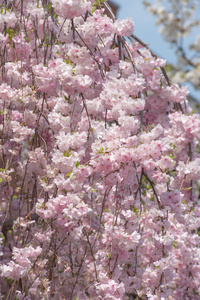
x,y
98,160
179,24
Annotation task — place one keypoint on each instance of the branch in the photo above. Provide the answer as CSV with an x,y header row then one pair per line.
x,y
153,54
109,10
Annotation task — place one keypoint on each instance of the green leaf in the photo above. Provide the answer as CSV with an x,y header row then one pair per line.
x,y
4,10
187,189
173,172
68,62
3,237
68,174
97,4
169,68
94,7
152,198
9,281
135,210
147,4
10,34
184,202
77,164
102,150
171,156
67,153
26,38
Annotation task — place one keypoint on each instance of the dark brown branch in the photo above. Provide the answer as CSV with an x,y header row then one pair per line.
x,y
154,55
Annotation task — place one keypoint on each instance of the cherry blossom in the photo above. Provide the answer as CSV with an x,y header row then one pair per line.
x,y
98,160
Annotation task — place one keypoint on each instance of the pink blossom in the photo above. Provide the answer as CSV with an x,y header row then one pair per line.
x,y
98,160
124,27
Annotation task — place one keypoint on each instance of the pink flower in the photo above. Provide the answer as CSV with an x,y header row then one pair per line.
x,y
170,198
124,27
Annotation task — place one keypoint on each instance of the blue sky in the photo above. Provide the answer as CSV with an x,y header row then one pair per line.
x,y
148,32
145,27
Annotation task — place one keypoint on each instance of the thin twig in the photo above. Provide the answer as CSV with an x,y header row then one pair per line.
x,y
154,55
153,188
109,9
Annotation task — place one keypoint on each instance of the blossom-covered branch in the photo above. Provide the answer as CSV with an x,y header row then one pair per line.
x,y
97,157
